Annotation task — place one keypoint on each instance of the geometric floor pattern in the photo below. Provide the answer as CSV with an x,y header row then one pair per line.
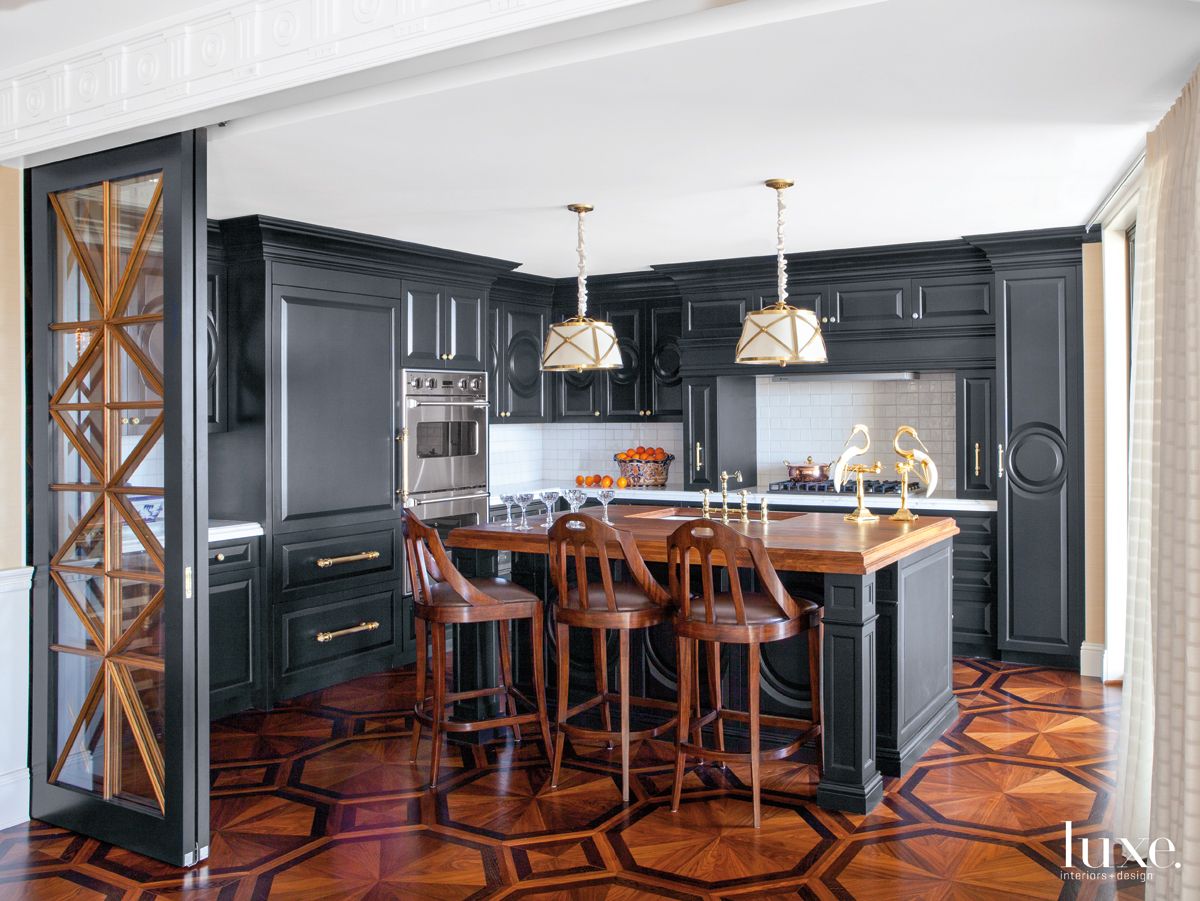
x,y
317,800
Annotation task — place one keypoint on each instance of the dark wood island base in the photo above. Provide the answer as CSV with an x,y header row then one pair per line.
x,y
886,668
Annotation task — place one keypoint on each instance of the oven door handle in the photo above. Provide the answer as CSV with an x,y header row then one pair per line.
x,y
447,403
446,500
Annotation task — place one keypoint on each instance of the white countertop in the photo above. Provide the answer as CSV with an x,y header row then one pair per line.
x,y
231,530
776,499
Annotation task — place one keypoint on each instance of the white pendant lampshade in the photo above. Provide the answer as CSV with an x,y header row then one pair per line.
x,y
580,343
781,334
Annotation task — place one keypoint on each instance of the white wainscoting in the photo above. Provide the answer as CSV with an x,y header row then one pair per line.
x,y
14,699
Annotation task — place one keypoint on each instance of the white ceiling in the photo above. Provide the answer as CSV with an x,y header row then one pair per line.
x,y
909,120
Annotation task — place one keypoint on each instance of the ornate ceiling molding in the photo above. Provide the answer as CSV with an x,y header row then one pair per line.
x,y
226,53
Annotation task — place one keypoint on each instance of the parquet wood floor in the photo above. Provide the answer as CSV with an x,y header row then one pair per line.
x,y
317,800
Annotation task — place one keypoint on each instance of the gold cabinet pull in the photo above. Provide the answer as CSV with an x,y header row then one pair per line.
x,y
326,562
1000,461
353,630
698,463
976,458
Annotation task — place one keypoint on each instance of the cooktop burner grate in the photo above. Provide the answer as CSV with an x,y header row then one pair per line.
x,y
870,486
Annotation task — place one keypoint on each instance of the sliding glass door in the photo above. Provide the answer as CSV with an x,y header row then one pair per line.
x,y
117,445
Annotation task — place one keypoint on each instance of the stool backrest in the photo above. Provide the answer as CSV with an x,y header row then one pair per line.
x,y
715,546
577,536
429,564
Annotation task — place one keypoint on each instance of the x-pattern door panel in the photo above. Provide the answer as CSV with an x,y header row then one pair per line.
x,y
117,747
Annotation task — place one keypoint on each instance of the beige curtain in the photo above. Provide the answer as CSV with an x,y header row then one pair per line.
x,y
1159,772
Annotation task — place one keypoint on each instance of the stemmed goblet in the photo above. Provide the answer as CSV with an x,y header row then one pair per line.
x,y
508,500
575,497
550,497
605,496
524,499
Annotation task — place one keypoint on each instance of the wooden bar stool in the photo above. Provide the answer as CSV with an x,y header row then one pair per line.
x,y
638,602
738,617
442,595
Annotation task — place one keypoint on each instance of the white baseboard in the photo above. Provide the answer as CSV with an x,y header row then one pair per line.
x,y
1091,659
14,672
14,797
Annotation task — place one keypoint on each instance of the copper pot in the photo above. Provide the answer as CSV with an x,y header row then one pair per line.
x,y
807,471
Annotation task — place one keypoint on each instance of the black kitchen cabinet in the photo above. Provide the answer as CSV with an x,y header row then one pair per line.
x,y
520,390
719,432
578,396
867,305
974,584
626,389
952,301
336,418
237,676
215,323
665,377
1039,465
443,326
900,303
975,427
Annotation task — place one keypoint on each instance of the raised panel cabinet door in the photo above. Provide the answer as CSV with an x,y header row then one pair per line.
x,y
806,295
699,430
464,328
578,396
1039,470
871,305
218,388
625,388
336,420
493,343
715,315
665,379
233,633
975,419
523,386
952,300
424,326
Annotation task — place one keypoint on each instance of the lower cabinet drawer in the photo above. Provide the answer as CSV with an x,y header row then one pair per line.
x,y
320,559
336,637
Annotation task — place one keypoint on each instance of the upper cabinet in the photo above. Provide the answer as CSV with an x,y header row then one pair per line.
x,y
626,389
665,375
888,304
519,387
443,326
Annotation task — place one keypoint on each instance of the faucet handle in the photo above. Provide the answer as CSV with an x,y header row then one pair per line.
x,y
704,504
737,474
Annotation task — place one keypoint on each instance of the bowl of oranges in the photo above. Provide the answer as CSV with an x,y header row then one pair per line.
x,y
644,467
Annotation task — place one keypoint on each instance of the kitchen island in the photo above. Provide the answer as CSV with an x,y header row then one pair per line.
x,y
886,660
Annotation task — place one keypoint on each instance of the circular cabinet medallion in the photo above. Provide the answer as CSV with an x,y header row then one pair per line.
x,y
1036,458
667,362
524,368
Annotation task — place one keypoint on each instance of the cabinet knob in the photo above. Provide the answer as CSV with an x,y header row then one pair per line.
x,y
220,557
597,413
824,318
916,315
833,319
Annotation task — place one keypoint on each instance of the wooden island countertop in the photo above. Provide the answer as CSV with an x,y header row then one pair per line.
x,y
796,542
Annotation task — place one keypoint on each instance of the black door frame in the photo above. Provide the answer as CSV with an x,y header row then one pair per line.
x,y
181,835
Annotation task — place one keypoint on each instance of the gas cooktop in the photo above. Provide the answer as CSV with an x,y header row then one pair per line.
x,y
870,486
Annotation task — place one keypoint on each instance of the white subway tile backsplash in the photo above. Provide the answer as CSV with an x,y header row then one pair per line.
x,y
814,416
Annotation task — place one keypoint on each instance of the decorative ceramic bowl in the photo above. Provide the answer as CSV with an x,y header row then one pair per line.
x,y
645,473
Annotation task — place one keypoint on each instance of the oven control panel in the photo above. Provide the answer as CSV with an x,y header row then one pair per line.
x,y
444,384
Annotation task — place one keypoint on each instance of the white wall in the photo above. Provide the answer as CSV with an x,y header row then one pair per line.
x,y
557,452
811,416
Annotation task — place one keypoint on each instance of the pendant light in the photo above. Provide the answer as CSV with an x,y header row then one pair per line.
x,y
781,334
580,343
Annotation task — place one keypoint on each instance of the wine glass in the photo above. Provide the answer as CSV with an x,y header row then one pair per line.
x,y
524,499
575,497
508,500
605,496
550,497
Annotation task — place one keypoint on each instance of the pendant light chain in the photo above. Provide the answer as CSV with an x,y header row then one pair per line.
x,y
782,260
582,249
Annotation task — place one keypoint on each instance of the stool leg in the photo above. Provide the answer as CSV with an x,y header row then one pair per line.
x,y
537,625
755,761
714,691
624,633
563,635
506,681
814,681
600,664
439,699
682,653
694,662
422,663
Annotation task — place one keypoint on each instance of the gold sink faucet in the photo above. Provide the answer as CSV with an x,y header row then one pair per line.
x,y
705,508
725,477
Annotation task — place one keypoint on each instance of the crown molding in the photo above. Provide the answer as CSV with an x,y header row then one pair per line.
x,y
227,53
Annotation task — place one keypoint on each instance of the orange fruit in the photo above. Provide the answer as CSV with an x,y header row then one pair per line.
x,y
622,482
630,452
579,481
587,480
622,456
596,480
606,482
660,451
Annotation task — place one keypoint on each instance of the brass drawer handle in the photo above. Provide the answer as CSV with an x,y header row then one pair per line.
x,y
698,463
977,458
1000,461
326,562
361,627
